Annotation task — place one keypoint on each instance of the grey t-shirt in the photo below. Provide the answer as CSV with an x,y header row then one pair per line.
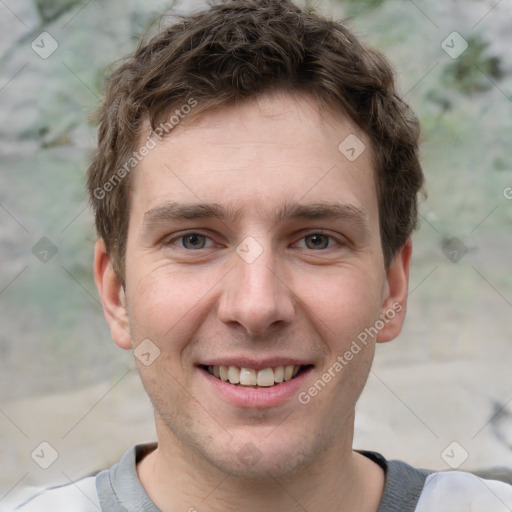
x,y
407,489
120,490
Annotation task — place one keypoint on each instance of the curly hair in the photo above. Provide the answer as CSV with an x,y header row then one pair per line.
x,y
235,51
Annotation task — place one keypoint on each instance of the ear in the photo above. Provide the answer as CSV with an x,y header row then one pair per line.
x,y
394,303
112,296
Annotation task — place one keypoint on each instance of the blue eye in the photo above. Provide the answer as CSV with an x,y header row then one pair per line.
x,y
318,241
193,240
196,241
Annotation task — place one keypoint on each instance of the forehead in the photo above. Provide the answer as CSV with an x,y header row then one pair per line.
x,y
252,156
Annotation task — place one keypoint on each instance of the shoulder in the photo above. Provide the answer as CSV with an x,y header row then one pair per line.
x,y
457,491
115,489
80,496
411,489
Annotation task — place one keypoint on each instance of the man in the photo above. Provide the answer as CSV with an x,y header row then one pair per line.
x,y
255,189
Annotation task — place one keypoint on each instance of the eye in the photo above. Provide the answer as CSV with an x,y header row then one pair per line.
x,y
318,241
196,241
191,240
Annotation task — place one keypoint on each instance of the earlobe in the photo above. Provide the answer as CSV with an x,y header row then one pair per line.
x,y
112,296
395,299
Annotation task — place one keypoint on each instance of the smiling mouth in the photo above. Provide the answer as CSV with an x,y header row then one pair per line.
x,y
264,378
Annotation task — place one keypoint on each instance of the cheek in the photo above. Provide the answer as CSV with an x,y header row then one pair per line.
x,y
343,303
165,304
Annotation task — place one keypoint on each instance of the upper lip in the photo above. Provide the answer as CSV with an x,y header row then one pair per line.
x,y
255,364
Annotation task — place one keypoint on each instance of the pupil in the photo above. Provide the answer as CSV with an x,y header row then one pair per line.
x,y
192,240
317,240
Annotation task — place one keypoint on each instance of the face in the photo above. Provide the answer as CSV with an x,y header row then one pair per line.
x,y
254,254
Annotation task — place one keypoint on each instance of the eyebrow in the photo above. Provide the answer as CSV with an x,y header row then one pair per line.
x,y
288,211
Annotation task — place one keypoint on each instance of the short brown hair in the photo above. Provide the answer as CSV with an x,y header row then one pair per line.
x,y
237,50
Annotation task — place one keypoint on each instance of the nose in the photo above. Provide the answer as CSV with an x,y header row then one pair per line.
x,y
256,295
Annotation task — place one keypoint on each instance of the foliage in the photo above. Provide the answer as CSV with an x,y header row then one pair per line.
x,y
475,70
50,10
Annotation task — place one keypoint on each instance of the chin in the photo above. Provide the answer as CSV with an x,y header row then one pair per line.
x,y
268,450
268,466
259,458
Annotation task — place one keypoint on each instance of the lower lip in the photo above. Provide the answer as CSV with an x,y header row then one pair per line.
x,y
245,396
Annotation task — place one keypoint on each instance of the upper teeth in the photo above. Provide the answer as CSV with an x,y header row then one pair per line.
x,y
250,377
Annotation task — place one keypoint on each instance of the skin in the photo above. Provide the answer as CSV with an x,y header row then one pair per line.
x,y
293,300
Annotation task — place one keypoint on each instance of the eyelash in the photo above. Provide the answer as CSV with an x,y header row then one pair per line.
x,y
188,233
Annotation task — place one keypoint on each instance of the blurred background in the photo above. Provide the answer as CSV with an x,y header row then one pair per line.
x,y
439,396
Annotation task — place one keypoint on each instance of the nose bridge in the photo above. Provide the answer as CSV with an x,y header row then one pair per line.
x,y
257,276
256,296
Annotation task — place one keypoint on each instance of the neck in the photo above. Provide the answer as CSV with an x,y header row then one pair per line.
x,y
338,480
